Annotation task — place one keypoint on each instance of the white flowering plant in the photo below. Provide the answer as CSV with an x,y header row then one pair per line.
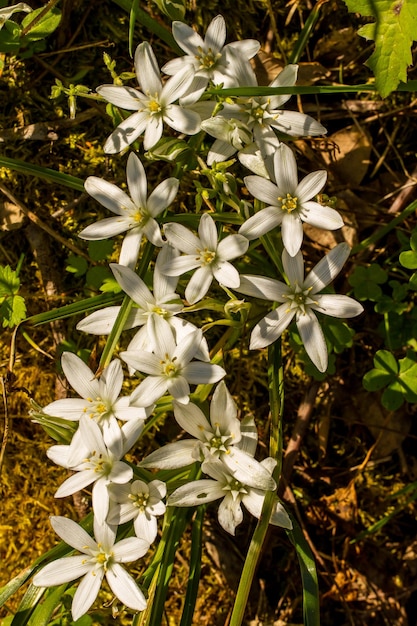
x,y
199,275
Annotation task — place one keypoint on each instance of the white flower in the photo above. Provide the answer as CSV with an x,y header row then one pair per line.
x,y
100,558
224,485
153,105
99,397
207,59
290,203
154,309
95,462
205,253
223,437
135,213
140,502
262,115
7,12
300,299
170,368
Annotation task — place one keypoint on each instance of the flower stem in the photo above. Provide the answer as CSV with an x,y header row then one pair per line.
x,y
275,376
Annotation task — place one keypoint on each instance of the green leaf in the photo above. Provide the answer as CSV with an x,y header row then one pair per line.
x,y
366,281
46,25
174,9
393,31
96,276
10,37
12,311
408,259
9,281
100,250
76,265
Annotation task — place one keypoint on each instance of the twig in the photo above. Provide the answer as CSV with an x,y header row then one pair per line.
x,y
303,417
36,220
6,422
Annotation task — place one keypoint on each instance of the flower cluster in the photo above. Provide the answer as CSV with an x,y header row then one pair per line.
x,y
168,361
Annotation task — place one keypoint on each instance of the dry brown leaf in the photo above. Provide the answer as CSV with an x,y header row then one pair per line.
x,y
351,158
11,216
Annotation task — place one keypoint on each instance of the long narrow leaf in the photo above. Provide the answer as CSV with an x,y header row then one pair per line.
x,y
195,568
43,172
311,600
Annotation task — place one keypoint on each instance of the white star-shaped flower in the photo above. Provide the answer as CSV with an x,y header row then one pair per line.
x,y
99,400
153,105
95,462
223,484
300,299
138,501
135,213
170,368
100,557
206,254
290,203
208,59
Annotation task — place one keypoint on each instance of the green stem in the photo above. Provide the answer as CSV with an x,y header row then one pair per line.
x,y
384,230
125,309
275,375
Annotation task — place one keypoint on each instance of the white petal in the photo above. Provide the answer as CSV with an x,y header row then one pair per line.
x,y
292,233
111,381
192,419
280,517
147,70
195,493
72,534
223,411
207,232
215,34
199,284
232,247
327,268
293,267
142,361
173,455
230,514
226,274
247,470
321,216
75,483
69,409
262,222
79,375
127,132
104,229
182,120
162,196
149,391
182,238
86,593
297,124
179,388
262,189
313,339
132,285
146,527
136,180
62,571
109,195
285,169
202,373
153,132
337,306
311,185
186,37
125,588
262,287
130,549
121,96
271,327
